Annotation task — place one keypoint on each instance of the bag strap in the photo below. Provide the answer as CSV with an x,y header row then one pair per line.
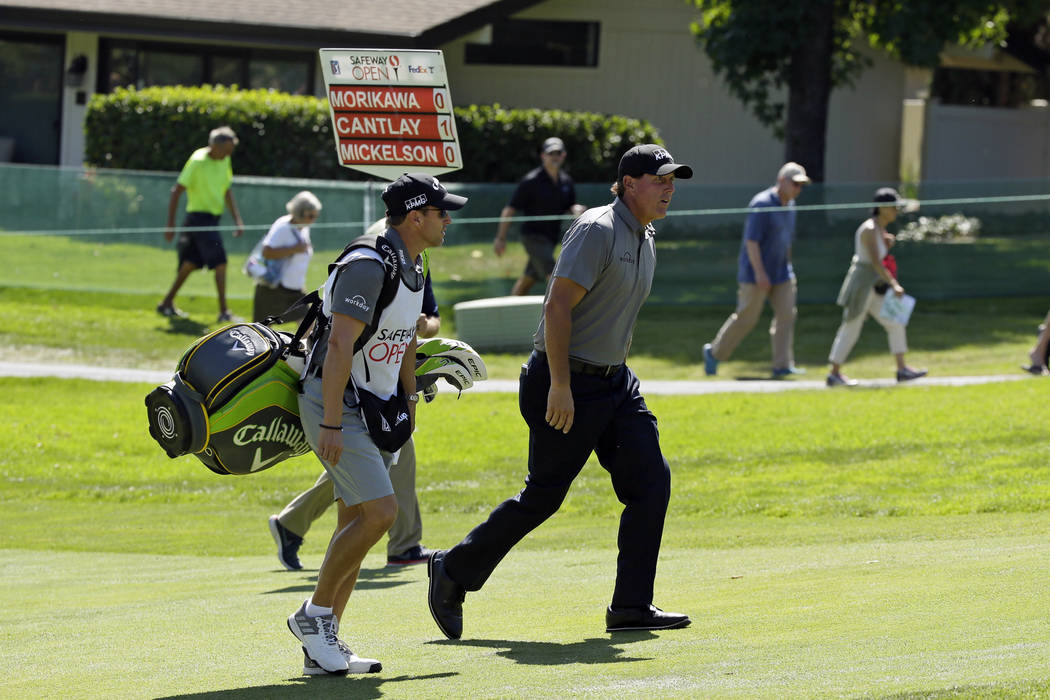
x,y
315,302
391,281
391,277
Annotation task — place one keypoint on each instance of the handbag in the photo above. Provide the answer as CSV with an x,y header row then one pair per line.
x,y
386,419
890,263
264,271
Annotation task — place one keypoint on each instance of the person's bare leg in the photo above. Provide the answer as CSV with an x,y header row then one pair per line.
x,y
220,287
522,286
180,278
1038,354
360,527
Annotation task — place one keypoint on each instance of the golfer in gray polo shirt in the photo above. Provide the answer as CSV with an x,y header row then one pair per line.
x,y
577,397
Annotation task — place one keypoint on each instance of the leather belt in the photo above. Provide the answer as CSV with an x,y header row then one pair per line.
x,y
581,367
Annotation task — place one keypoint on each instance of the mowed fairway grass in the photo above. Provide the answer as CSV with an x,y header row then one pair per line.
x,y
858,543
874,543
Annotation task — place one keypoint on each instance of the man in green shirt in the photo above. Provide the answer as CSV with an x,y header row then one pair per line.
x,y
205,179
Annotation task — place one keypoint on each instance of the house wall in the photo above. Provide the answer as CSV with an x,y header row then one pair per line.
x,y
75,97
985,143
651,67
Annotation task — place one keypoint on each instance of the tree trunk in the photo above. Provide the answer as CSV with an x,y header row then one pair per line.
x,y
809,92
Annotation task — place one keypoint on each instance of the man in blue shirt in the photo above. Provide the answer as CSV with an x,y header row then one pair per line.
x,y
764,272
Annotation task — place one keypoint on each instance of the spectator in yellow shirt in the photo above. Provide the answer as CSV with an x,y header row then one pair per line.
x,y
206,180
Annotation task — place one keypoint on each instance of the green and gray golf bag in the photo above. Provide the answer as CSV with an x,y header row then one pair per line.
x,y
233,402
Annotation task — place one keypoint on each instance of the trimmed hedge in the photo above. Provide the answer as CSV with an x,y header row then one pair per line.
x,y
285,135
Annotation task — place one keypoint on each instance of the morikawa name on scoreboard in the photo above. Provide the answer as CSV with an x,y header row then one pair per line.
x,y
386,99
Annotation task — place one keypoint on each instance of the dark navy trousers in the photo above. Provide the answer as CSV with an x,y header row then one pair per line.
x,y
611,420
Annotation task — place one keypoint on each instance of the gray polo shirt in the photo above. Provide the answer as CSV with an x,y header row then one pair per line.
x,y
608,253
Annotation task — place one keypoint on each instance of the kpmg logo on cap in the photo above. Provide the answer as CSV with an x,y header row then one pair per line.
x,y
661,154
415,202
335,67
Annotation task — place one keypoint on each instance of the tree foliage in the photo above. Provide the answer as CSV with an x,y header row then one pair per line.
x,y
758,48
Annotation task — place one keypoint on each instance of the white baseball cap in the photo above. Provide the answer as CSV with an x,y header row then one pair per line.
x,y
795,173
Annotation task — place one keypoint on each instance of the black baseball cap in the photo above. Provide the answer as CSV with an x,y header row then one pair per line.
x,y
885,196
553,144
651,159
888,195
418,190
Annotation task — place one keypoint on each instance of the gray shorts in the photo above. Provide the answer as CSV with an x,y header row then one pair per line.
x,y
540,250
363,471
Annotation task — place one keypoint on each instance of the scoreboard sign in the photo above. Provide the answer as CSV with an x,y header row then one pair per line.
x,y
391,111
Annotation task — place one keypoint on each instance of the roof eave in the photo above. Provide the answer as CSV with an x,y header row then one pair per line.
x,y
44,20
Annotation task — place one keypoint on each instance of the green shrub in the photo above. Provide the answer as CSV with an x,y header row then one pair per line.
x,y
285,135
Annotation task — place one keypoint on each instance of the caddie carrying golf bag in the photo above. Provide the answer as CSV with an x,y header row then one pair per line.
x,y
233,402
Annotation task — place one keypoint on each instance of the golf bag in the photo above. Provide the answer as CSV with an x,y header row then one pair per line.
x,y
233,402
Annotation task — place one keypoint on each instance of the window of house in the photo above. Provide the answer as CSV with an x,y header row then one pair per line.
x,y
284,75
31,81
985,88
170,68
141,64
529,42
227,70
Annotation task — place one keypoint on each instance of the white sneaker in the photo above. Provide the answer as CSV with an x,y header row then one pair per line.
x,y
319,640
355,663
310,667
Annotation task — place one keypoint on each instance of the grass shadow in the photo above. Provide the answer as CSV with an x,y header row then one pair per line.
x,y
307,688
598,650
185,326
369,579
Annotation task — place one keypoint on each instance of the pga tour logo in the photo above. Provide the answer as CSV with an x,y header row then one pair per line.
x,y
335,67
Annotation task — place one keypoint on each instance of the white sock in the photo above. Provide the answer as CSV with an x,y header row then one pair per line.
x,y
316,610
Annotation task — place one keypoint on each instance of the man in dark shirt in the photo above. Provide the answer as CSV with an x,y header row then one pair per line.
x,y
545,191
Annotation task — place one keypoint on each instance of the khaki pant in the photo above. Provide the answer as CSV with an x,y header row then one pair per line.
x,y
750,299
849,331
407,530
